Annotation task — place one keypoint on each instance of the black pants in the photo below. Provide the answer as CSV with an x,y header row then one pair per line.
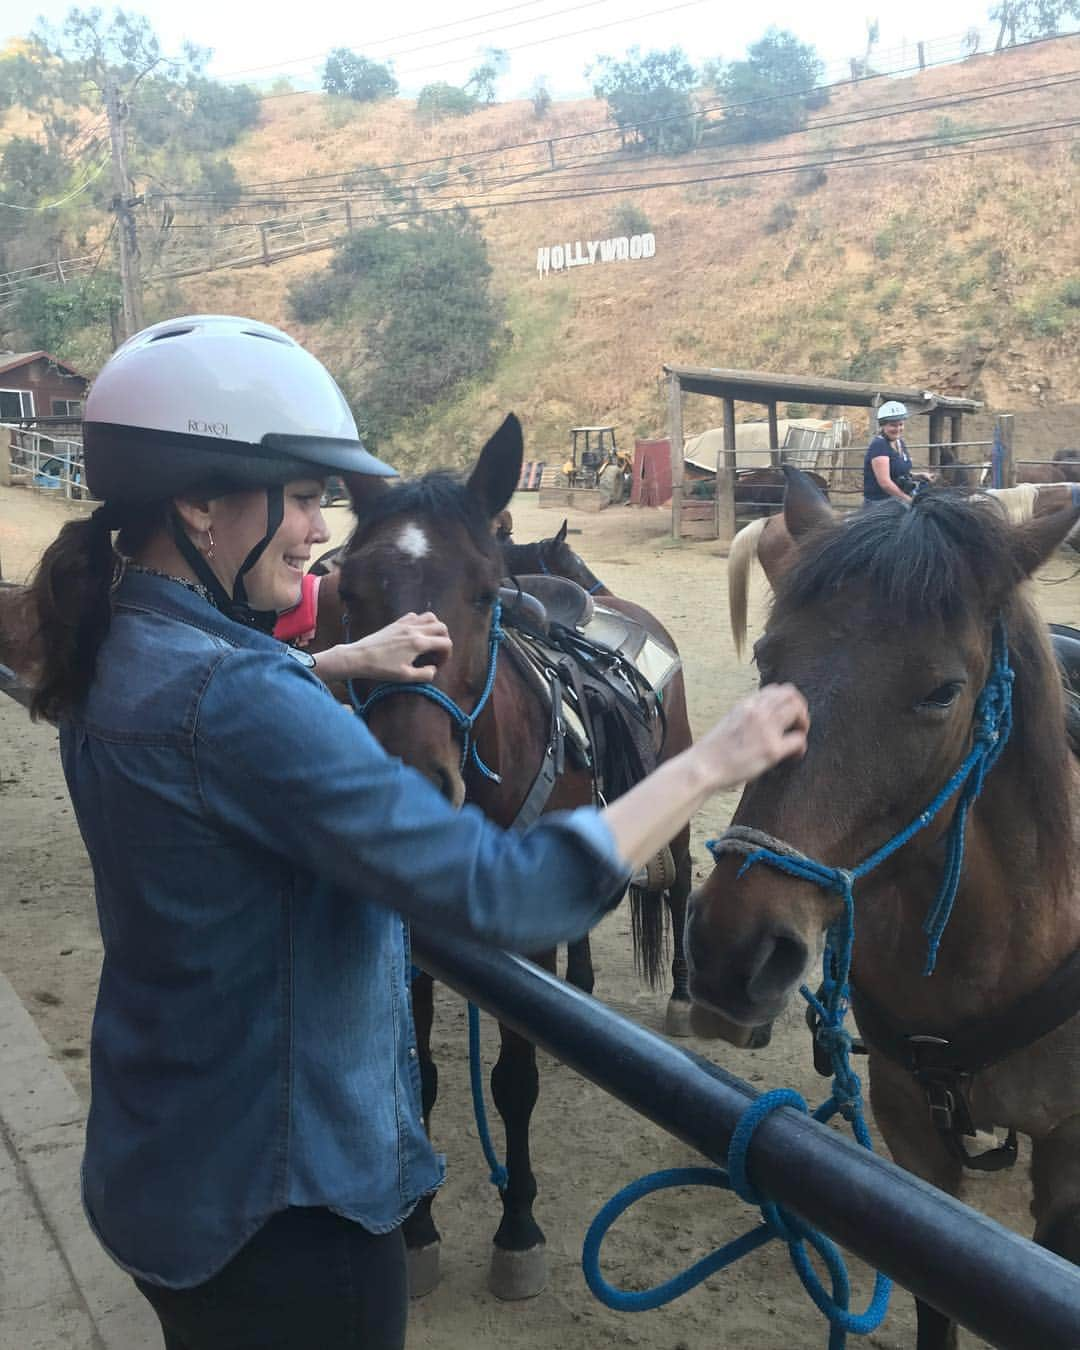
x,y
308,1280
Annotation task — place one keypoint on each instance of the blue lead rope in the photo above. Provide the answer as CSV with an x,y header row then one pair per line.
x,y
498,1175
993,724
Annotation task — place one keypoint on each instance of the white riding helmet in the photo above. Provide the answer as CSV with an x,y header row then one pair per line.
x,y
212,401
893,411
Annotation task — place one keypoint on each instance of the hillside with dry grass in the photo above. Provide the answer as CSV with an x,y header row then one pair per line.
x,y
959,274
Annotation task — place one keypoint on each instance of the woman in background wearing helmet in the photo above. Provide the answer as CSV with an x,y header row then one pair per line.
x,y
255,1137
887,464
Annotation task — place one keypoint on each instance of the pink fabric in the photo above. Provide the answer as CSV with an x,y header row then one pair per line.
x,y
298,624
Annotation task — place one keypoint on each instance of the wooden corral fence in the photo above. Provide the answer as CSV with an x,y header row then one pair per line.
x,y
48,464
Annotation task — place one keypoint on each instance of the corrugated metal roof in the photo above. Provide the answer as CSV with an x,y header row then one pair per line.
x,y
757,386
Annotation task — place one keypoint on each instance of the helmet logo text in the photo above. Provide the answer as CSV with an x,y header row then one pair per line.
x,y
200,428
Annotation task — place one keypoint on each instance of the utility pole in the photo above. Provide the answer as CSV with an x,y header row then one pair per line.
x,y
130,280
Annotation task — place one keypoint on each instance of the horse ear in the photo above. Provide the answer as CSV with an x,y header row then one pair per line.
x,y
498,469
560,538
366,487
805,508
1034,543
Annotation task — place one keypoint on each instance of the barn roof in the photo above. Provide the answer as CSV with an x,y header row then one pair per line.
x,y
11,360
756,386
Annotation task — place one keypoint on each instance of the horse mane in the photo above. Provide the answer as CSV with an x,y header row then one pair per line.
x,y
941,558
944,558
440,495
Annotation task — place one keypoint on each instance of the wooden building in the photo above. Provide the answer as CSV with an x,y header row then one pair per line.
x,y
35,385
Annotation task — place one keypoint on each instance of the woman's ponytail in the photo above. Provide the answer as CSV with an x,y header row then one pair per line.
x,y
71,593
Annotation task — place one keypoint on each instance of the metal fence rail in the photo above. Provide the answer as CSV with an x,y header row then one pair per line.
x,y
45,463
985,1277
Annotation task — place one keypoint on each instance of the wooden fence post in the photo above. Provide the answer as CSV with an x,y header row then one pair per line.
x,y
774,437
5,456
675,437
922,56
1003,434
725,479
348,216
265,244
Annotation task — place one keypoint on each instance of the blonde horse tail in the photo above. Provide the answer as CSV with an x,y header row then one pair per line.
x,y
1018,503
744,549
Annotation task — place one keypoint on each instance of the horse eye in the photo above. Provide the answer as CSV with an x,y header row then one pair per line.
x,y
485,599
944,696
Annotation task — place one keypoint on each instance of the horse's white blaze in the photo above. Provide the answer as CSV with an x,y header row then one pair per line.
x,y
413,542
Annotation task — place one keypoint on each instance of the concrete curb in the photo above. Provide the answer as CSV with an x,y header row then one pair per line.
x,y
59,1289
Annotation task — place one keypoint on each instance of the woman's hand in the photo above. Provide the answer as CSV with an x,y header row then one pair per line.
x,y
757,733
390,654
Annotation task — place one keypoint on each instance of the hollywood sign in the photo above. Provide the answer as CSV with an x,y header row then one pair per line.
x,y
561,257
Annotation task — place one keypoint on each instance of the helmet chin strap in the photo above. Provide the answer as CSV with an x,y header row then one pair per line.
x,y
235,606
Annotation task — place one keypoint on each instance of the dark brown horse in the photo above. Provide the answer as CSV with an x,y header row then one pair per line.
x,y
886,623
429,544
554,556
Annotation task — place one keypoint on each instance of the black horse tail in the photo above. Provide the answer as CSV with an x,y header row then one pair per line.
x,y
649,928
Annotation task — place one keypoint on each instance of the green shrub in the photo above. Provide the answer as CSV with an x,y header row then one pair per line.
x,y
350,75
780,218
444,100
629,219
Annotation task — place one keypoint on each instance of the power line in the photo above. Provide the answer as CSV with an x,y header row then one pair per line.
x,y
609,130
51,206
944,153
461,37
827,122
521,46
877,156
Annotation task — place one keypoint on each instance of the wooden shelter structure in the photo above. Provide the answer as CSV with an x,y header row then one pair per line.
x,y
764,387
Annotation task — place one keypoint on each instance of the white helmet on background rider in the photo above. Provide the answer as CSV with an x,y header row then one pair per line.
x,y
893,411
215,404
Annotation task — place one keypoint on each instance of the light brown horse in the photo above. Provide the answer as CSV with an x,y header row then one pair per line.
x,y
885,622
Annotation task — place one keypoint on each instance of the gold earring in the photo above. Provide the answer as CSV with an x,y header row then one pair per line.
x,y
210,545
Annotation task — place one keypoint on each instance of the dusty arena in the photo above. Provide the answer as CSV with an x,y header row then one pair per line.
x,y
585,1146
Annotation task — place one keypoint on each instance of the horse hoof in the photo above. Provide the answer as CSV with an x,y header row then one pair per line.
x,y
423,1269
518,1275
677,1018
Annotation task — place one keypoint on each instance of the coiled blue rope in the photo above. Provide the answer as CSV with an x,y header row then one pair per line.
x,y
465,722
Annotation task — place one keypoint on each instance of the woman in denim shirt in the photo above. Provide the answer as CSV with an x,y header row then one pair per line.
x,y
254,1138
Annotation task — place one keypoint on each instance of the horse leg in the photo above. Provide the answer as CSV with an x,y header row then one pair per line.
x,y
518,1259
579,966
903,1118
677,1016
422,1239
1055,1179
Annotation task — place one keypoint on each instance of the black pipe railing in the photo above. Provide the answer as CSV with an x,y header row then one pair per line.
x,y
996,1283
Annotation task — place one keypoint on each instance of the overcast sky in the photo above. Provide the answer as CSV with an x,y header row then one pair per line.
x,y
435,40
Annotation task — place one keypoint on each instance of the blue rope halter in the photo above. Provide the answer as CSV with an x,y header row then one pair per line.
x,y
465,722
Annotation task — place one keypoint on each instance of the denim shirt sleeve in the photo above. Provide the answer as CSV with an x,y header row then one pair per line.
x,y
283,764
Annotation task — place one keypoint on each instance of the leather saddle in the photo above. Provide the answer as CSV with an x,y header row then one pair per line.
x,y
561,601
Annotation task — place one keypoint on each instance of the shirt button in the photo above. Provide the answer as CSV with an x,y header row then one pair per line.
x,y
412,1052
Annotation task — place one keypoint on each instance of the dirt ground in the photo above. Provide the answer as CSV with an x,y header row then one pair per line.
x,y
585,1146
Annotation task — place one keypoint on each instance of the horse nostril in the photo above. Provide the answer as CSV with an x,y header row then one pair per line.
x,y
435,659
443,780
781,961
